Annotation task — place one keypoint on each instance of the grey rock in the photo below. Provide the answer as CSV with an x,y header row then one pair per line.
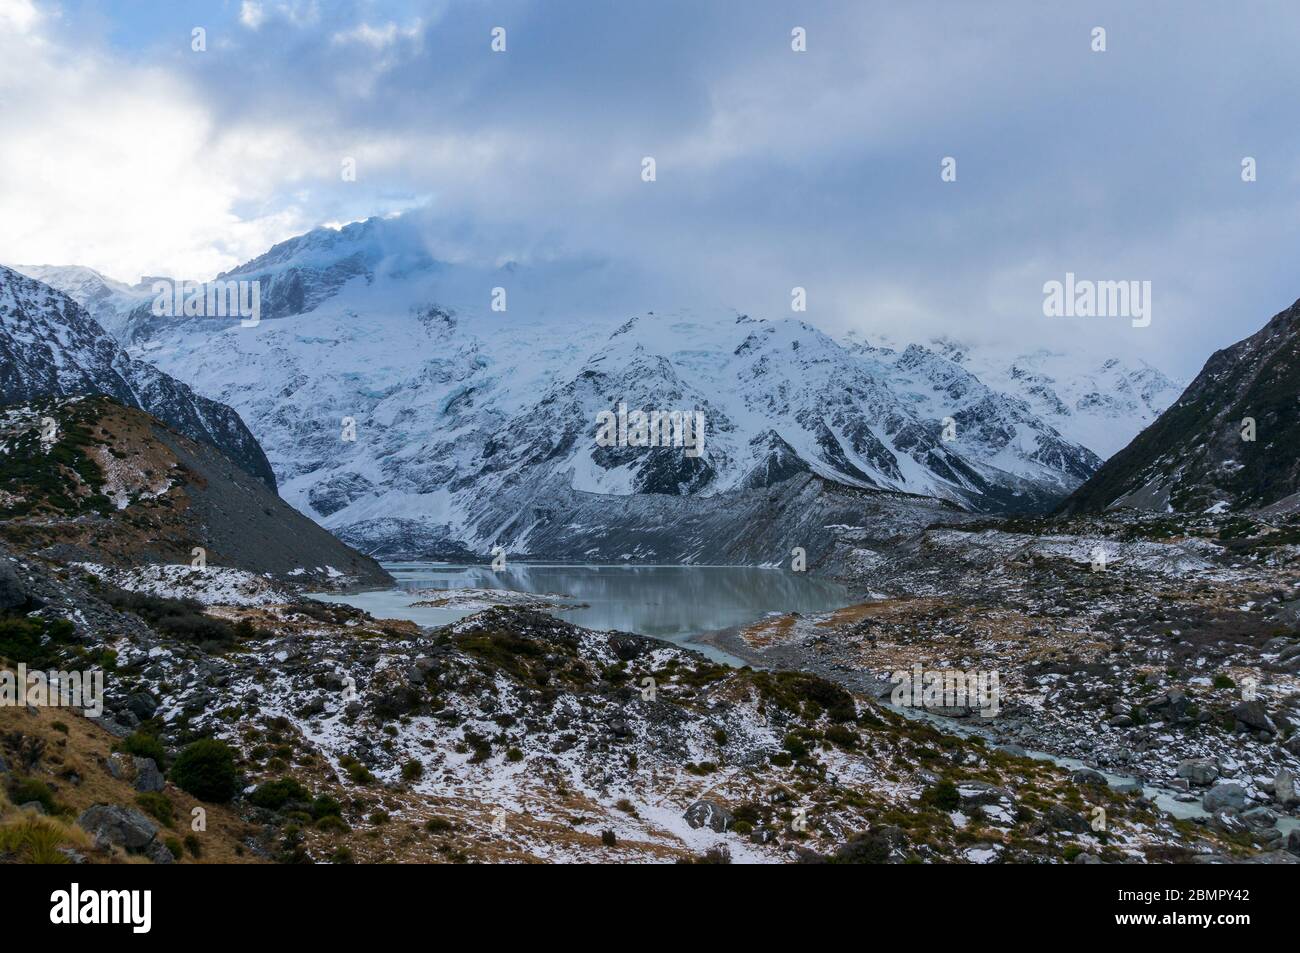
x,y
1222,795
159,854
1014,750
708,814
1284,787
120,766
1293,841
1198,770
1227,822
147,775
13,593
112,824
36,806
1062,818
111,725
1259,817
1254,716
142,705
1089,776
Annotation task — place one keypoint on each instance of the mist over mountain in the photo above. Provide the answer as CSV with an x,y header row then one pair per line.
x,y
465,416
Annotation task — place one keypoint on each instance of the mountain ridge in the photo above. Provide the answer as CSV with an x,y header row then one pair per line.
x,y
51,347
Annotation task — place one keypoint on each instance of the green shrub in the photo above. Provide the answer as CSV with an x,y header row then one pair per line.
x,y
357,771
143,745
193,845
325,806
438,825
412,771
30,789
35,641
175,846
274,795
179,618
157,805
206,769
943,795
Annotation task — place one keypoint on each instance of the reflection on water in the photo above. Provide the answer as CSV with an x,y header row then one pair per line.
x,y
670,602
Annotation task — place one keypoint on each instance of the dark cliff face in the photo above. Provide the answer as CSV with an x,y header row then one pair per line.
x,y
1197,454
51,347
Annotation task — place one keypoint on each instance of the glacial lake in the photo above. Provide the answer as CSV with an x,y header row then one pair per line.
x,y
668,602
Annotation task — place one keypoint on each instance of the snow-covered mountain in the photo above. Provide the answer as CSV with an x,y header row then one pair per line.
x,y
107,300
475,427
50,347
1098,401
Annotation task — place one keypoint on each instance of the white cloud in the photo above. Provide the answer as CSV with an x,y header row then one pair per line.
x,y
123,169
251,14
18,15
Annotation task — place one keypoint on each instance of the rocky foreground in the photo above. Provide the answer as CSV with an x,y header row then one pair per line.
x,y
316,733
1157,647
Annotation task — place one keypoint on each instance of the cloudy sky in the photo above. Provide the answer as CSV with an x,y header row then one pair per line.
x,y
125,149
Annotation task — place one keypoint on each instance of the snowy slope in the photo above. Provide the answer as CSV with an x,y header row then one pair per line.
x,y
1101,402
50,347
466,417
107,300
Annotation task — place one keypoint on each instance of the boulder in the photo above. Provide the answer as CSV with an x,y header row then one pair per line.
x,y
117,826
1198,771
159,854
13,592
1223,795
142,705
120,766
1284,788
1171,705
708,814
1089,776
1254,716
1259,817
1061,818
147,775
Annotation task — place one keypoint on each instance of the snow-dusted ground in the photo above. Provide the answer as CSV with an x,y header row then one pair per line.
x,y
213,585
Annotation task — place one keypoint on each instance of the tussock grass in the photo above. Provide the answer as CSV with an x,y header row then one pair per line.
x,y
30,838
